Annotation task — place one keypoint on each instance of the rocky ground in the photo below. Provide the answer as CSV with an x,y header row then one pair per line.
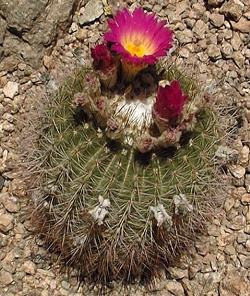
x,y
40,43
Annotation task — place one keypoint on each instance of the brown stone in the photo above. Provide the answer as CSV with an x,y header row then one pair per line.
x,y
234,283
175,288
6,222
48,62
217,19
243,25
245,199
5,278
232,10
9,202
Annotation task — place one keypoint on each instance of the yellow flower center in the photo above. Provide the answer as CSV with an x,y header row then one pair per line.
x,y
138,50
138,45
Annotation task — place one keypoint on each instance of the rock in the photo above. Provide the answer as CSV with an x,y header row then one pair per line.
x,y
29,267
230,250
238,223
174,288
213,52
82,34
198,9
38,22
244,155
184,52
237,171
245,261
8,117
48,62
225,154
178,273
3,240
238,59
93,10
20,15
217,19
65,285
245,199
8,127
11,89
238,192
242,238
185,36
6,222
248,245
247,214
229,203
2,180
10,203
232,9
73,28
193,270
5,278
213,230
243,25
247,182
236,41
200,29
181,7
18,188
238,182
247,14
247,229
3,26
215,3
9,64
226,50
22,66
233,283
202,248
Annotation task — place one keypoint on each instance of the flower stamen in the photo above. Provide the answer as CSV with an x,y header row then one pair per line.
x,y
134,49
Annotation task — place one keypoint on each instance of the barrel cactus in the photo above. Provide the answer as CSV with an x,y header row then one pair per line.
x,y
126,158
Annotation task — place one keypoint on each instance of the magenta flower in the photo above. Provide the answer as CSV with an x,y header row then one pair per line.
x,y
139,37
103,59
169,102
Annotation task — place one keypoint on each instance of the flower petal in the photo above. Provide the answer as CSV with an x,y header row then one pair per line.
x,y
139,37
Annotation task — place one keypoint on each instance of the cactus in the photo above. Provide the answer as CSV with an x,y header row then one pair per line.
x,y
110,210
126,175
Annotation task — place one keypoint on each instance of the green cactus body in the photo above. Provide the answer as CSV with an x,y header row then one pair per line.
x,y
112,212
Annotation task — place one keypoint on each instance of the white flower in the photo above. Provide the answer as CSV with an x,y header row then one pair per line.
x,y
161,215
182,205
100,211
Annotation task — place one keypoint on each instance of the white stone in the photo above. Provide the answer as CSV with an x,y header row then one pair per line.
x,y
11,89
237,171
29,267
93,10
244,155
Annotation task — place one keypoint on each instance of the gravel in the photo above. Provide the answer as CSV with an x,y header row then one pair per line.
x,y
214,39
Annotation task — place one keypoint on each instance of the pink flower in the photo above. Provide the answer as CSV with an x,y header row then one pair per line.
x,y
169,102
139,37
103,59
